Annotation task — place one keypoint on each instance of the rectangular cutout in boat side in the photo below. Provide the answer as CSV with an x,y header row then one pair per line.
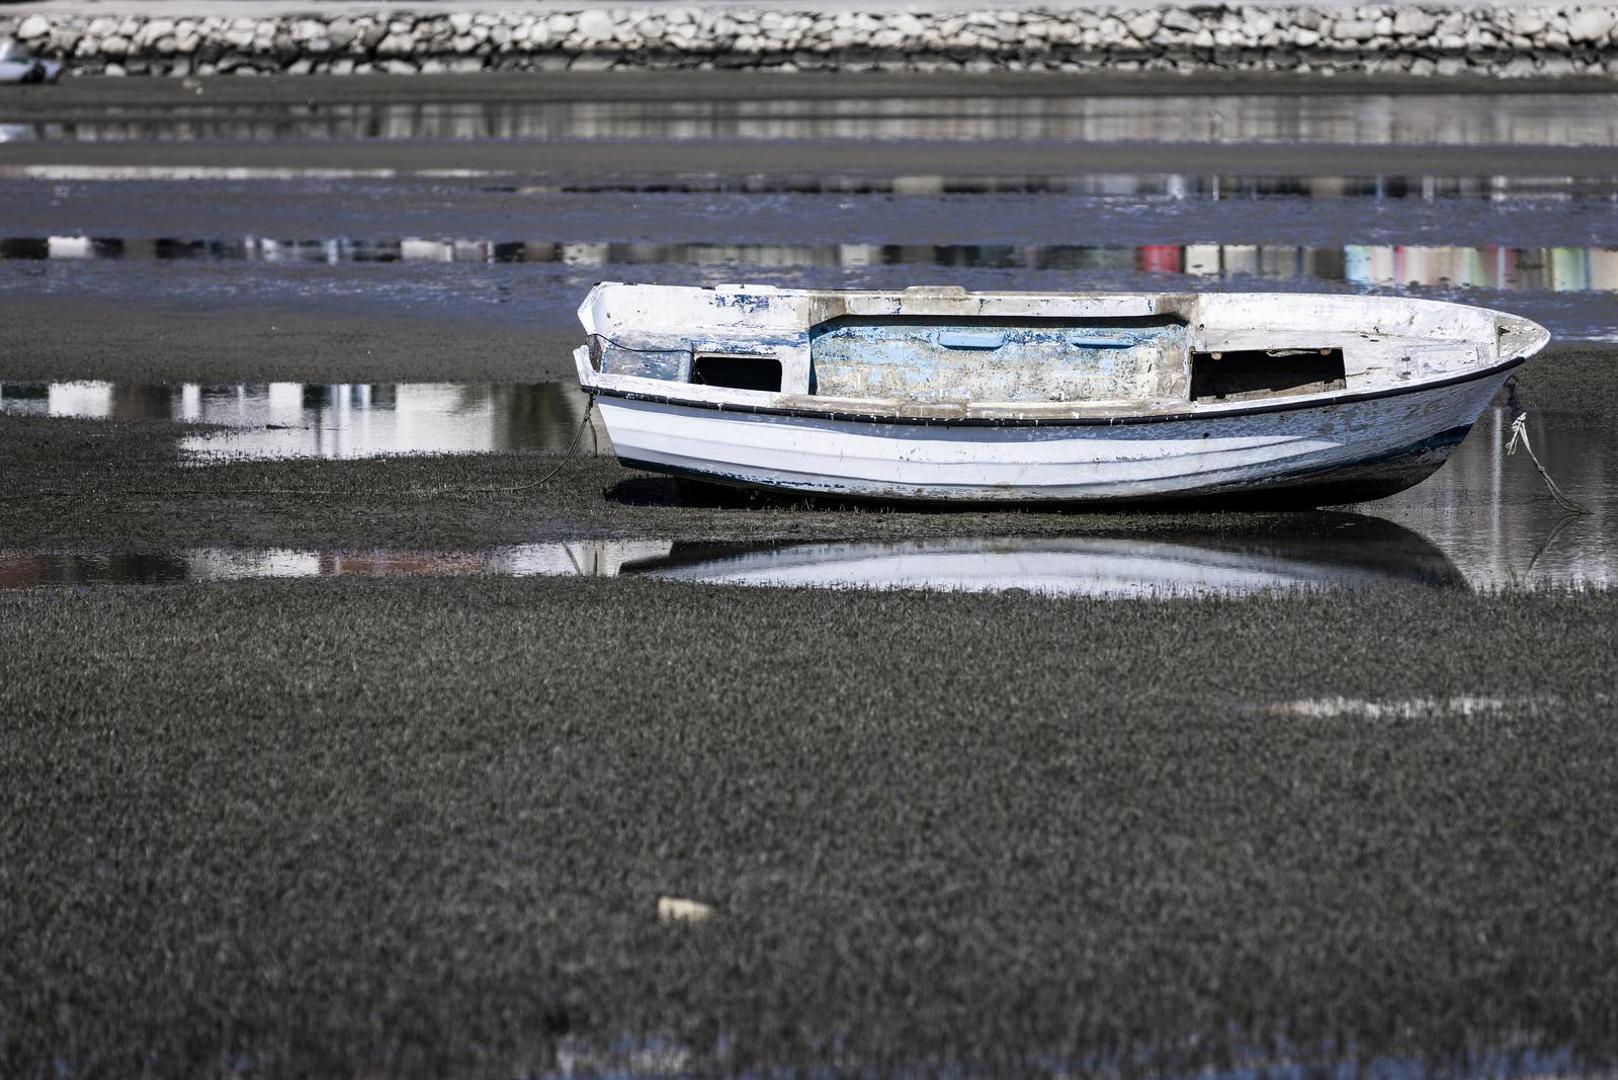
x,y
737,371
1245,374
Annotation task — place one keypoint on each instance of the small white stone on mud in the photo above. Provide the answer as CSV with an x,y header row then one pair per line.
x,y
672,909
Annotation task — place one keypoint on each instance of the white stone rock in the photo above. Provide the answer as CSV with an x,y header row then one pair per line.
x,y
907,25
1183,21
1144,25
1528,22
33,27
1414,22
1592,24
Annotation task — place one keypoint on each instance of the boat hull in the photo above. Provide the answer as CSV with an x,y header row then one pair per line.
x,y
1317,452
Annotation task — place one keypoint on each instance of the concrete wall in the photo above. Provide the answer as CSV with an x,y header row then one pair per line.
x,y
1507,40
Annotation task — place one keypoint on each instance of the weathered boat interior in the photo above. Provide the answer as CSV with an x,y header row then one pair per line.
x,y
943,349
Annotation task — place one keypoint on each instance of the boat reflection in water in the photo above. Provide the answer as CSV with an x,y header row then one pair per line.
x,y
1318,552
1332,551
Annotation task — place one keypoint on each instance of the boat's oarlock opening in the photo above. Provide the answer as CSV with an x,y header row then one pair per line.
x,y
1257,373
737,371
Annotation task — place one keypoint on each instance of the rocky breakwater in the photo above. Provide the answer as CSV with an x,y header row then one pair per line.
x,y
1505,40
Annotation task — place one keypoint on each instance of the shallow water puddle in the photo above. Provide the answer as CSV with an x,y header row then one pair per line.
x,y
1360,119
350,420
1323,552
579,558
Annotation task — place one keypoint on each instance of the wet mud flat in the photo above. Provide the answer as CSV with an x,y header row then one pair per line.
x,y
328,827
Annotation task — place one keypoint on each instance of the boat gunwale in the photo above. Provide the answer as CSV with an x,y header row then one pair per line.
x,y
1211,412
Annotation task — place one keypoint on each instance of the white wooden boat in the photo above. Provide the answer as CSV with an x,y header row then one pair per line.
x,y
940,394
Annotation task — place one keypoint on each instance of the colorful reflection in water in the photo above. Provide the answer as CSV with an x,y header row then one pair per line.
x,y
1554,269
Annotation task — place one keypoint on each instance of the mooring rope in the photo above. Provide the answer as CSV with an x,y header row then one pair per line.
x,y
589,406
1519,433
631,348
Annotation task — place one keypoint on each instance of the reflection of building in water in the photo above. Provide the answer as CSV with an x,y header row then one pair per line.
x,y
25,570
1348,119
279,420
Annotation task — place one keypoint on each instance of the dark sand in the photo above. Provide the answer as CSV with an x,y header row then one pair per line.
x,y
225,340
329,828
